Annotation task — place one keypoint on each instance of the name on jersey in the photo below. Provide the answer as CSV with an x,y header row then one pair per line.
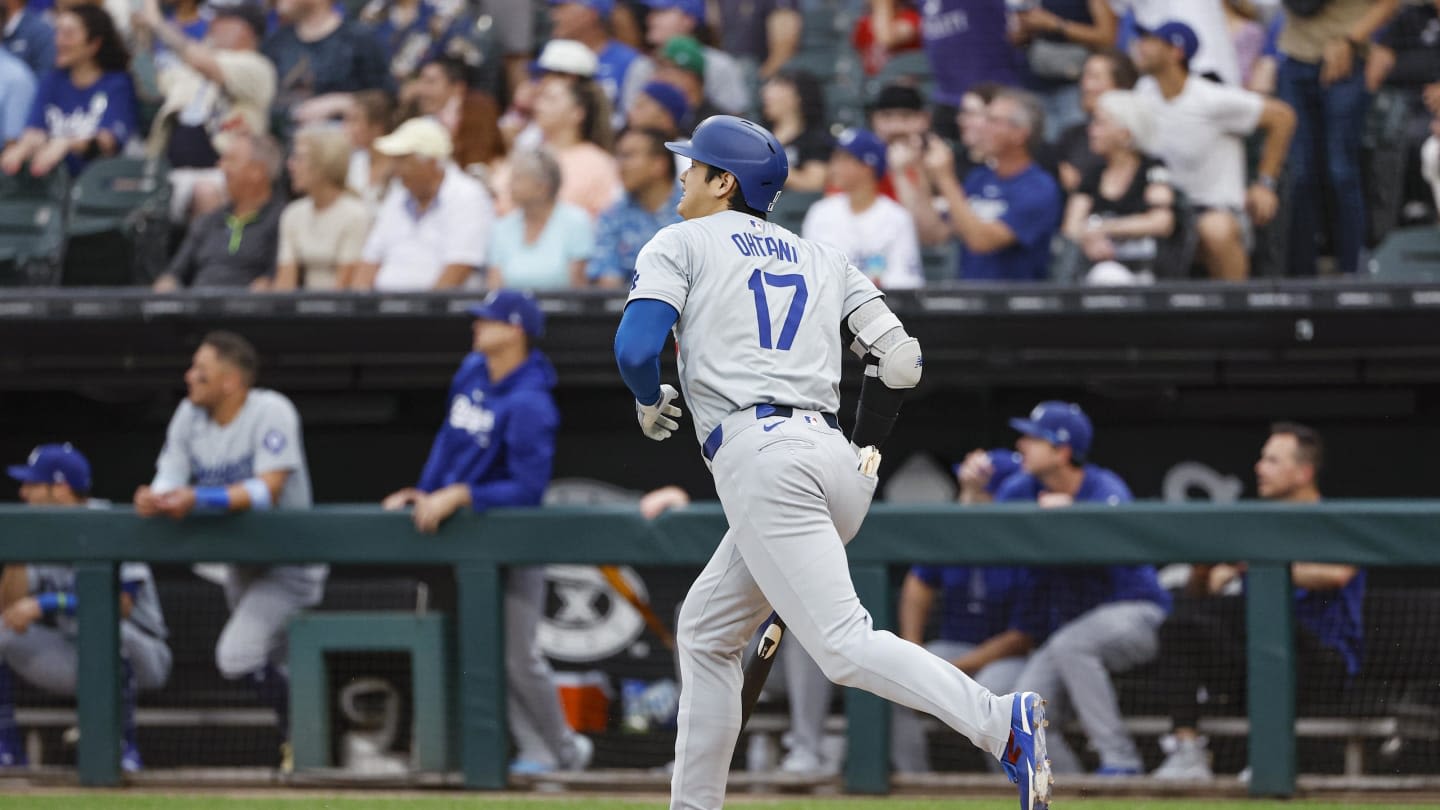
x,y
222,474
760,246
472,418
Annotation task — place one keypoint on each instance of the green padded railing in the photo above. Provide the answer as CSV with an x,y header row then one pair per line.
x,y
1268,536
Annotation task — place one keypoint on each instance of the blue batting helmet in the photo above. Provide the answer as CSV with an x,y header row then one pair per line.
x,y
744,149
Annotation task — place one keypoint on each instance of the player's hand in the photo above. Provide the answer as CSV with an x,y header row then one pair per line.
x,y
658,420
975,474
659,501
147,503
400,499
1220,576
21,614
177,503
869,460
437,507
1055,500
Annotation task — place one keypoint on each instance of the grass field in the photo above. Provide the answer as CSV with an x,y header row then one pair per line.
x,y
116,801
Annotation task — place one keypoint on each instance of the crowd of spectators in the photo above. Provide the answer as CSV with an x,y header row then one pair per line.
x,y
1114,141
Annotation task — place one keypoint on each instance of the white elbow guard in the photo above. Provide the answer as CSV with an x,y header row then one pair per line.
x,y
879,333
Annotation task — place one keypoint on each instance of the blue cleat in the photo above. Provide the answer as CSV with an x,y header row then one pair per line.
x,y
1024,760
130,761
12,750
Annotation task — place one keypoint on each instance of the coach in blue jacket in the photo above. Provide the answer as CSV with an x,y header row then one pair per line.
x,y
497,448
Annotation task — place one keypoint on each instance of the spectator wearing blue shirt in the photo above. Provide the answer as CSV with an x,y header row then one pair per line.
x,y
647,171
402,29
29,36
543,244
1095,620
622,70
496,448
17,93
85,108
1008,210
1204,640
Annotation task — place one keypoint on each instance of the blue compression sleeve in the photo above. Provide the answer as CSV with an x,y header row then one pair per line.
x,y
638,343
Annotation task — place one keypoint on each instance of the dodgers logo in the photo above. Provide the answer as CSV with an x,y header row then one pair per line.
x,y
274,441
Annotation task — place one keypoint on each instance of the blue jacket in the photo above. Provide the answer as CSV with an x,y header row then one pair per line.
x,y
498,437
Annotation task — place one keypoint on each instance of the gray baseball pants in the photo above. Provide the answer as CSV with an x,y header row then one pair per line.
x,y
793,497
537,720
262,602
48,659
1072,670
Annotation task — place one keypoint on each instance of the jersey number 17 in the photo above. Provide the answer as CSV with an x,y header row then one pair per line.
x,y
758,282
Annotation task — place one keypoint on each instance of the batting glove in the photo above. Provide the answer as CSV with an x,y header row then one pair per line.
x,y
869,460
658,421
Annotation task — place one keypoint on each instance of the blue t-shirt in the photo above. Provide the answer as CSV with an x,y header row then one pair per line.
x,y
17,97
344,61
966,42
1031,206
1336,618
614,62
498,436
33,41
1070,591
545,263
63,110
977,602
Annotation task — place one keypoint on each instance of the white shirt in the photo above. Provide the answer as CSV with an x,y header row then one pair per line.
x,y
413,252
1206,18
1199,134
880,241
1430,165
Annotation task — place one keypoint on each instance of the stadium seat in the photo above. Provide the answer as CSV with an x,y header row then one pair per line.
x,y
32,214
1408,254
118,222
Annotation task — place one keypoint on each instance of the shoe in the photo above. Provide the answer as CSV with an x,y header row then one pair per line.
x,y
582,750
130,757
287,758
1024,759
529,767
1117,771
1189,761
801,762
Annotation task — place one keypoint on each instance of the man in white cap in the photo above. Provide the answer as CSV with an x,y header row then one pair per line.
x,y
620,70
432,233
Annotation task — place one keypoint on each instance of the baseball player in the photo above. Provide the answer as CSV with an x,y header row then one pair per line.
x,y
231,447
37,638
755,310
497,448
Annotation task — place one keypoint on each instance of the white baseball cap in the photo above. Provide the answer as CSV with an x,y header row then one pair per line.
x,y
425,137
568,56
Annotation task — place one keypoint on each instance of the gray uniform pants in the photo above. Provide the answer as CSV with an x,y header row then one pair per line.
x,y
48,659
810,694
1072,670
537,720
262,602
793,497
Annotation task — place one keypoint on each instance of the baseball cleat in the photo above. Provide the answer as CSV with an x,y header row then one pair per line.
x,y
1025,761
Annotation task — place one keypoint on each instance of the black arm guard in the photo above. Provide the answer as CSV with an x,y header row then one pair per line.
x,y
878,409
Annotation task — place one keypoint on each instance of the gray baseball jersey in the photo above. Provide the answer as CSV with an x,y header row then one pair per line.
x,y
760,312
263,437
136,577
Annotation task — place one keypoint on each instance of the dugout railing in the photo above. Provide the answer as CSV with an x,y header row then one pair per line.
x,y
1267,536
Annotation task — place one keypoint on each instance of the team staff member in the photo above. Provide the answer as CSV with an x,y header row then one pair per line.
x,y
1204,640
232,447
760,364
1099,619
497,448
37,637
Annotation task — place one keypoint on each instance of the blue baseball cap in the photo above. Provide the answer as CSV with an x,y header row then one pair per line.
x,y
694,8
1176,34
1062,424
512,307
54,464
865,146
670,97
602,6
